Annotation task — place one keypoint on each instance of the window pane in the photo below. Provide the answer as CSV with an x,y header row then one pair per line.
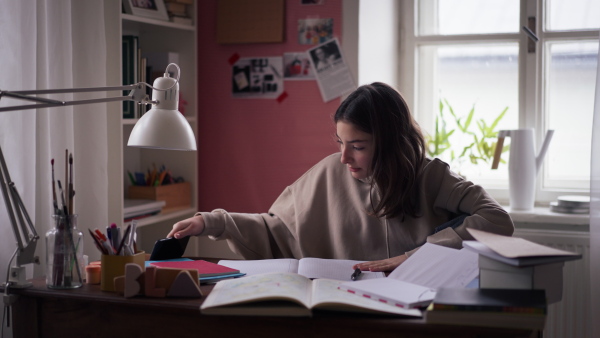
x,y
451,17
571,81
483,77
572,15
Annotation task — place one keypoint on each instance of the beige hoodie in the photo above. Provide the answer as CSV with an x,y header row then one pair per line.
x,y
324,214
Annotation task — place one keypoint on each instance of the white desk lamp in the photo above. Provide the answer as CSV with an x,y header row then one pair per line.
x,y
162,127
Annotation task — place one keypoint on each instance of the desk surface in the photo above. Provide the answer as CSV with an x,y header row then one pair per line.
x,y
90,312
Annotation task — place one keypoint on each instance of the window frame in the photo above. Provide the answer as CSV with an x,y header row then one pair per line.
x,y
531,76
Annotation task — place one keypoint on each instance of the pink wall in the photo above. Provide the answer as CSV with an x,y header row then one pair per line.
x,y
251,149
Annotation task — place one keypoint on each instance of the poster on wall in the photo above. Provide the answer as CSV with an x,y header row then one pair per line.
x,y
297,67
258,78
314,31
333,75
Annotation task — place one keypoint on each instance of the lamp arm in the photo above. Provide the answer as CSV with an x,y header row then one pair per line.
x,y
137,94
23,228
4,178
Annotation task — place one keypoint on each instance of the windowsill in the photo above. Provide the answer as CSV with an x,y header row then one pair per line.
x,y
542,218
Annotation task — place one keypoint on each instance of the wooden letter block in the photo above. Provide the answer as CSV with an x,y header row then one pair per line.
x,y
185,286
151,289
132,285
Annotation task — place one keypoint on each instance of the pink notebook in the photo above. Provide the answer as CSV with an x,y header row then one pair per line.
x,y
205,269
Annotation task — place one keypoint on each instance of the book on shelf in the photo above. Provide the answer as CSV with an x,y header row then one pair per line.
x,y
522,309
136,208
338,269
289,294
129,71
181,20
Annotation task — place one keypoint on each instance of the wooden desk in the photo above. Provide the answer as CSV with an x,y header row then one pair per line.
x,y
90,312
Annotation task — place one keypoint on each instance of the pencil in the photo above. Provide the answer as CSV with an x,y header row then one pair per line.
x,y
66,177
124,239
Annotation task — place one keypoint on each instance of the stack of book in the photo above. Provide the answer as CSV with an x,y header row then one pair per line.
x,y
515,263
571,205
520,309
180,11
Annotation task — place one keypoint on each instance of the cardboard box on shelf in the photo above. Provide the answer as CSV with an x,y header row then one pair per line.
x,y
176,196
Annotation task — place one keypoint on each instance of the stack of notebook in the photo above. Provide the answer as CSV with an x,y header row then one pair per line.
x,y
521,309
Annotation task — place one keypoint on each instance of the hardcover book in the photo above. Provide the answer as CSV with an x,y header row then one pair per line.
x,y
489,307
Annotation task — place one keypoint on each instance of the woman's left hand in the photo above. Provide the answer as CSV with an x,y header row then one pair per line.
x,y
382,265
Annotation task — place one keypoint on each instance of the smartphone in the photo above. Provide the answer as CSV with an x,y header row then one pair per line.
x,y
169,248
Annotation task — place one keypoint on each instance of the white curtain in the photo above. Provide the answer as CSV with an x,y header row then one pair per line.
x,y
595,215
52,45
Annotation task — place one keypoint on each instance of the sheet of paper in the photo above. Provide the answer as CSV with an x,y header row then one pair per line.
x,y
254,267
513,247
338,269
436,266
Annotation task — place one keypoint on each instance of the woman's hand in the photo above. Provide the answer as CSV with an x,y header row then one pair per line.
x,y
388,264
188,227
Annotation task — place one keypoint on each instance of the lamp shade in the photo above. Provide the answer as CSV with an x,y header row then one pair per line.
x,y
163,127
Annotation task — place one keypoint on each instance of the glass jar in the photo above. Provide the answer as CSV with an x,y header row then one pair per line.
x,y
64,254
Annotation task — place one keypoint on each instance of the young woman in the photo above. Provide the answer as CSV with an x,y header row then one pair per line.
x,y
377,200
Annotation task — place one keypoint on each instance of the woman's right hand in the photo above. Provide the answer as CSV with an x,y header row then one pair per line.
x,y
192,226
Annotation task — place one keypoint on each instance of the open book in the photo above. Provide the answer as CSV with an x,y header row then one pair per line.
x,y
338,269
289,294
414,282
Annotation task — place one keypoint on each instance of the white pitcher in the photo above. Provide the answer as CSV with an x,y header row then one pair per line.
x,y
523,165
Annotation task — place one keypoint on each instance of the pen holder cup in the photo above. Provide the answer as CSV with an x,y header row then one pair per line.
x,y
114,266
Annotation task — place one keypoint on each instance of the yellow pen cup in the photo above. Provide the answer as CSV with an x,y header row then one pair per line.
x,y
114,266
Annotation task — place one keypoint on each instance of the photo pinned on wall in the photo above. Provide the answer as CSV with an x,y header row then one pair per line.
x,y
332,73
314,31
154,9
258,78
297,67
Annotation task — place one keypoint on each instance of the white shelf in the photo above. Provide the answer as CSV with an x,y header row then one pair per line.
x,y
174,215
138,20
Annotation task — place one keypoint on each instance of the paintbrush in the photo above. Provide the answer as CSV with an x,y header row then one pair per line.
x,y
71,184
54,201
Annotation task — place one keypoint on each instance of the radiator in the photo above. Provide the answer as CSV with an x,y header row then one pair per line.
x,y
570,317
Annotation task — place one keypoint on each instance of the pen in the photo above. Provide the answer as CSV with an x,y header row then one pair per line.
x,y
97,242
104,242
355,274
123,240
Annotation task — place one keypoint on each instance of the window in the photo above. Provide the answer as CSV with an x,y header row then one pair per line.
x,y
462,57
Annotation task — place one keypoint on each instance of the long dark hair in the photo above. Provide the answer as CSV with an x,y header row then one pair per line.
x,y
399,154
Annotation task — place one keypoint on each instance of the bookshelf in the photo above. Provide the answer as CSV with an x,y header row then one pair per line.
x,y
154,36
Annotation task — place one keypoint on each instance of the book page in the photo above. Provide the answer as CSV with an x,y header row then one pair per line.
x,y
263,287
436,266
327,296
338,269
254,267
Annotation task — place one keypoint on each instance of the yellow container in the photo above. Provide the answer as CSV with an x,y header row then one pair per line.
x,y
114,266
